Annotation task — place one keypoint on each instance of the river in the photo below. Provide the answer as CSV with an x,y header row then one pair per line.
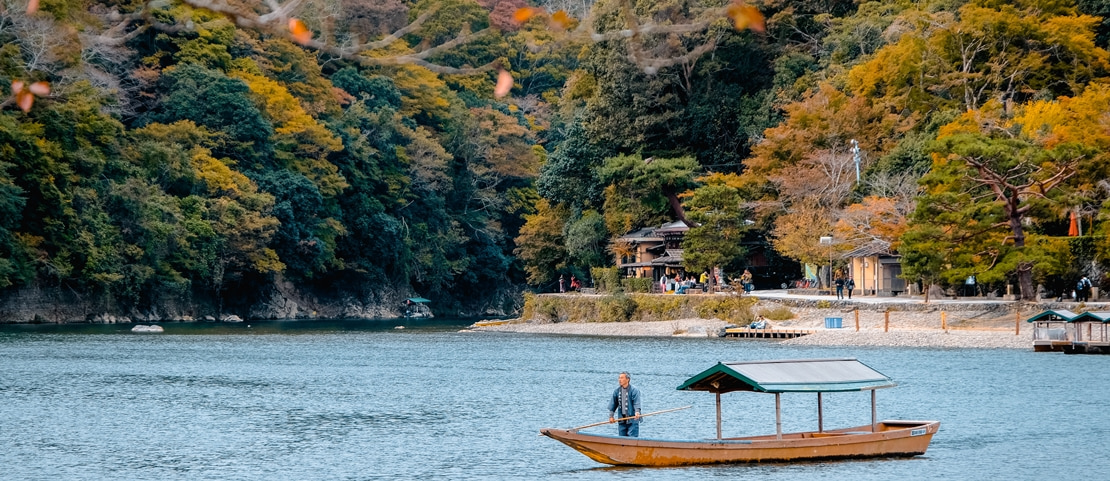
x,y
357,400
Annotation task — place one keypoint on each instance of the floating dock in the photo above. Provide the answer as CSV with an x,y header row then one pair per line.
x,y
743,332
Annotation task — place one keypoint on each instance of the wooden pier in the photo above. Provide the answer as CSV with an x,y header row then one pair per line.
x,y
745,333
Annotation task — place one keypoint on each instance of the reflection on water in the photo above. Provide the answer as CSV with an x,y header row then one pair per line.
x,y
363,400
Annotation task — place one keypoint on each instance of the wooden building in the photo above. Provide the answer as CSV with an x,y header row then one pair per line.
x,y
651,252
876,269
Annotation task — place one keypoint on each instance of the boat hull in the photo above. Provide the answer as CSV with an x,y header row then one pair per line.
x,y
891,439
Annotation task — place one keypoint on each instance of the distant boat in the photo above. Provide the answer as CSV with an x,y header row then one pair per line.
x,y
146,328
417,308
879,439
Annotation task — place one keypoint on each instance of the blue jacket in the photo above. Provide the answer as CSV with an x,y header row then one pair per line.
x,y
633,407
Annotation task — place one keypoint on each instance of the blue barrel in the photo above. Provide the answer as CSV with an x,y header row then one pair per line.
x,y
834,322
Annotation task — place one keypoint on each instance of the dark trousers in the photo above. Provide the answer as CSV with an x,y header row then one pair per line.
x,y
630,428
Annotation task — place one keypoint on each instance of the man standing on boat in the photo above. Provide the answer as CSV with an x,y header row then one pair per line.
x,y
625,404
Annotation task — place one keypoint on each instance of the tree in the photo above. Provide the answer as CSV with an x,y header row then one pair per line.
x,y
541,244
716,209
644,191
211,99
986,188
587,240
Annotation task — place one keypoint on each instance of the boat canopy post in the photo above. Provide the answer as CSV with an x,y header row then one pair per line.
x,y
718,415
874,415
778,415
820,415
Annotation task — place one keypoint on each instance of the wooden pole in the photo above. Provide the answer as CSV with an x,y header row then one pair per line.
x,y
630,417
886,324
820,415
944,321
718,415
1017,322
778,415
857,319
874,413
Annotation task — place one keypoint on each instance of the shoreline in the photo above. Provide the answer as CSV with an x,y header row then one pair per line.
x,y
984,328
962,338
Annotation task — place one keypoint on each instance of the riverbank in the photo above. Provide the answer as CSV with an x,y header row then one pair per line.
x,y
981,326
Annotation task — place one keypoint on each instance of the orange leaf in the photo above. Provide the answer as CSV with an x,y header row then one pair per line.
x,y
504,83
522,15
32,6
24,100
17,86
41,89
301,33
560,20
746,16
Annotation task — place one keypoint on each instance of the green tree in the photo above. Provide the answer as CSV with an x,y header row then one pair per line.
x,y
587,240
984,192
645,191
222,104
716,208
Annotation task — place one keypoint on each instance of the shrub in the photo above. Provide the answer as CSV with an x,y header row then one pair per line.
x,y
606,279
616,308
823,304
636,284
734,309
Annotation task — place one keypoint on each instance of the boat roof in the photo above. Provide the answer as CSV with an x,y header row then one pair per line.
x,y
778,376
418,300
1053,315
1091,316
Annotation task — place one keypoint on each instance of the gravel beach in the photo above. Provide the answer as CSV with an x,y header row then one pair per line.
x,y
966,328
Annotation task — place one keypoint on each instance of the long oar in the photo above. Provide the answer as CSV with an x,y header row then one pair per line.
x,y
630,417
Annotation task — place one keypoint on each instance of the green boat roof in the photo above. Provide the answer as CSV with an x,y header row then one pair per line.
x,y
1092,316
419,300
1062,315
805,375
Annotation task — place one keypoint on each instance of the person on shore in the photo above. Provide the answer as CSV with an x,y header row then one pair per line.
x,y
574,284
849,285
759,323
746,280
562,284
840,288
625,403
1083,290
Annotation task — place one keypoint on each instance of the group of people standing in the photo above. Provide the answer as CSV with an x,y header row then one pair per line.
x,y
841,284
575,284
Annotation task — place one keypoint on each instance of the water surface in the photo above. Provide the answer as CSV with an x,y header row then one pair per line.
x,y
363,400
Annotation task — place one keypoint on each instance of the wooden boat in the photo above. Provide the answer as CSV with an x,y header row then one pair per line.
x,y
417,308
889,438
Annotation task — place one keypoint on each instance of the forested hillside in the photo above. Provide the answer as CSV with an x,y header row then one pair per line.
x,y
221,154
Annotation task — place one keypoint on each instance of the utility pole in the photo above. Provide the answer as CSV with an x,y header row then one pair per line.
x,y
855,155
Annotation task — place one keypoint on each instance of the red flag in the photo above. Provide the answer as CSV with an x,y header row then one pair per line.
x,y
1073,229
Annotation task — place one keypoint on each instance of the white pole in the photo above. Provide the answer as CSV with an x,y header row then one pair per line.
x,y
778,415
855,155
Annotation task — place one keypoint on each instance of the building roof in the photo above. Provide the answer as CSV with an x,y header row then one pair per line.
x,y
646,234
806,375
873,248
676,227
672,257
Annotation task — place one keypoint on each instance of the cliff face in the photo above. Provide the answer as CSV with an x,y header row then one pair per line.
x,y
279,300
